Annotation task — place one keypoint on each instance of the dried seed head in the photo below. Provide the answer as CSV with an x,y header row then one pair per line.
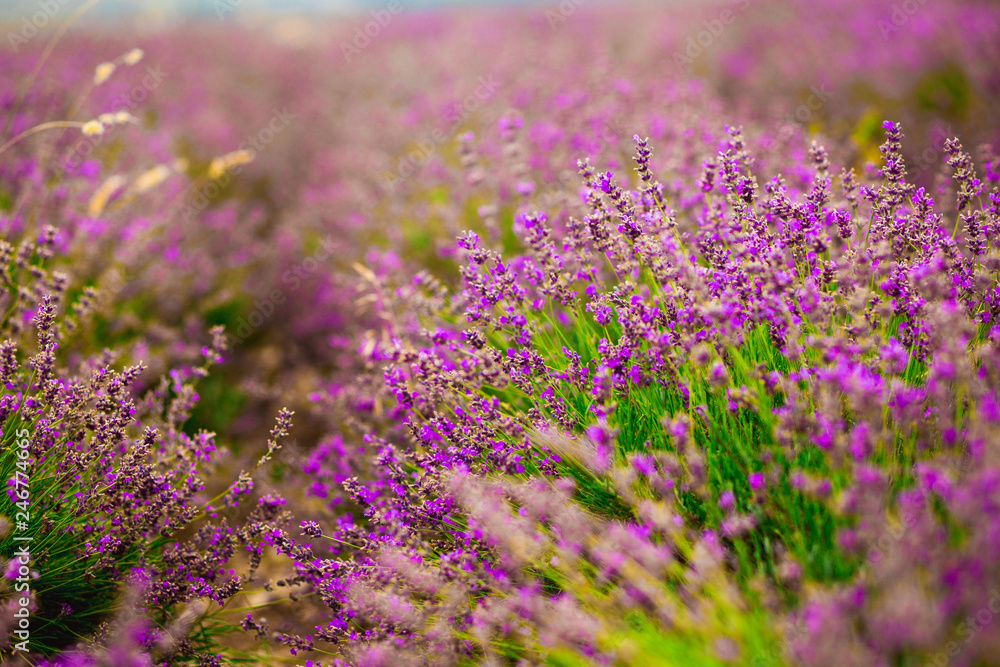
x,y
103,72
92,128
133,57
221,164
152,177
103,195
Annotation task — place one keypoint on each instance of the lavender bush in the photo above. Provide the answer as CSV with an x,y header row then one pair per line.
x,y
793,384
106,488
105,479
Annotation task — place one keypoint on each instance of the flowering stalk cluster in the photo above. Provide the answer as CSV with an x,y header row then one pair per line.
x,y
117,485
686,404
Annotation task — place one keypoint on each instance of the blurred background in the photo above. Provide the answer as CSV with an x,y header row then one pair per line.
x,y
16,8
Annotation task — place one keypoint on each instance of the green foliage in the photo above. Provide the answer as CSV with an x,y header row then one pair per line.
x,y
73,596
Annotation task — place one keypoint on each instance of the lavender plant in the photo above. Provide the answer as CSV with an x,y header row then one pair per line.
x,y
713,380
106,489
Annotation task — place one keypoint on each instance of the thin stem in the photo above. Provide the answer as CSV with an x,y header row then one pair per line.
x,y
39,128
49,48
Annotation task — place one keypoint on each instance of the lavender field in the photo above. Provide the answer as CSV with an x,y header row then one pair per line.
x,y
582,333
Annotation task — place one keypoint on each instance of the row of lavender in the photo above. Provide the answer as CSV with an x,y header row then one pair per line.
x,y
712,392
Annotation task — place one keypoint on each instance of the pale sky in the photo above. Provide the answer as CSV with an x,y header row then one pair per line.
x,y
17,9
